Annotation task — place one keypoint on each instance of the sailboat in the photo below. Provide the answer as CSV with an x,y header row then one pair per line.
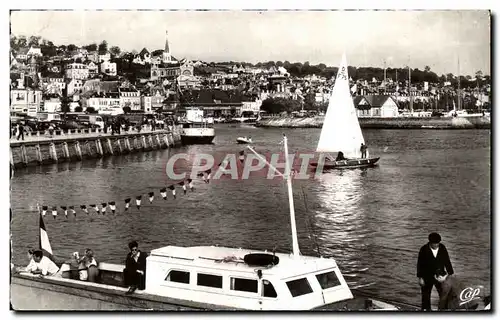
x,y
341,132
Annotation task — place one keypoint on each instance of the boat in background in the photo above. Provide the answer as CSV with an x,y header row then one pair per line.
x,y
196,129
341,131
244,140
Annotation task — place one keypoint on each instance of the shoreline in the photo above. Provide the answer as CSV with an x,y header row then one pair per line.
x,y
385,123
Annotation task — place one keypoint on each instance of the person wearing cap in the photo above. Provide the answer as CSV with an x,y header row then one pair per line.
x,y
432,257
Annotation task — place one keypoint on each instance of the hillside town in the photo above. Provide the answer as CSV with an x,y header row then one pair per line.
x,y
45,78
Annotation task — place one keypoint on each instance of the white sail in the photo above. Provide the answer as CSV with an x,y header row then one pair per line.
x,y
341,130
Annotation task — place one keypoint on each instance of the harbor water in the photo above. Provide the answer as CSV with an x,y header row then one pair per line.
x,y
373,221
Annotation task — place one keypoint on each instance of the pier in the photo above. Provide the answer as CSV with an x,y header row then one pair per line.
x,y
75,145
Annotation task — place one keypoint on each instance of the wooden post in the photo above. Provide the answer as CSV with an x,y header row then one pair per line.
x,y
24,156
165,137
127,144
119,143
66,150
108,140
158,141
78,150
39,154
98,147
53,152
144,145
151,144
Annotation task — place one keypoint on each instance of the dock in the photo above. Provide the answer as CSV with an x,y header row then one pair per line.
x,y
40,148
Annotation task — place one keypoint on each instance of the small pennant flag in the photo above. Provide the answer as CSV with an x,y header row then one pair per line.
x,y
151,197
127,203
163,192
84,209
172,187
93,206
183,186
44,210
190,184
72,209
65,211
112,206
103,209
54,212
242,156
138,202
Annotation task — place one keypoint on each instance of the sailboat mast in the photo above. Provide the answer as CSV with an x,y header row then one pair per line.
x,y
288,177
409,86
458,95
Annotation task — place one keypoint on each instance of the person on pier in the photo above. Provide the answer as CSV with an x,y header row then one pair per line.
x,y
431,257
134,273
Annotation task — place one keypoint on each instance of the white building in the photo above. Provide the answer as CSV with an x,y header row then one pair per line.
x,y
25,100
378,106
104,57
108,68
77,71
146,104
251,106
105,105
130,98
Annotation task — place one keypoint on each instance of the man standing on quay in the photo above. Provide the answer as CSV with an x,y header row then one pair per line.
x,y
432,257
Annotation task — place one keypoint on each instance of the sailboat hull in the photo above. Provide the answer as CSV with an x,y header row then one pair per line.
x,y
348,164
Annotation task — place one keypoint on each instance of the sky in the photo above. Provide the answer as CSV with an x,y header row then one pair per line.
x,y
446,41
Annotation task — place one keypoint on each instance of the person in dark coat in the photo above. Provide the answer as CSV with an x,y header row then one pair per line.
x,y
134,273
432,257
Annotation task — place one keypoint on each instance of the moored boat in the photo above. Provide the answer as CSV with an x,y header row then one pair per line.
x,y
197,129
244,140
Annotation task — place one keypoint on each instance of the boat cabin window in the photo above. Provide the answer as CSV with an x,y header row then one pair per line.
x,y
209,280
268,289
178,276
328,280
299,287
246,285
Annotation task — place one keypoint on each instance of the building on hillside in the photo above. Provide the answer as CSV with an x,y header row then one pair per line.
x,y
376,106
143,57
215,103
34,52
93,68
130,97
108,68
108,103
74,86
25,97
104,57
77,71
54,83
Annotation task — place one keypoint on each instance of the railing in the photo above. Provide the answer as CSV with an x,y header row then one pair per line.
x,y
78,133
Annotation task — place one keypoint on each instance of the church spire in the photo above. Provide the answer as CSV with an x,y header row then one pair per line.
x,y
166,52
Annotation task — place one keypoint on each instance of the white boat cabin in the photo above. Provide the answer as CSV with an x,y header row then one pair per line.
x,y
241,278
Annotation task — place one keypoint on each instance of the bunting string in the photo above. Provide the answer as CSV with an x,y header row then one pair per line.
x,y
96,209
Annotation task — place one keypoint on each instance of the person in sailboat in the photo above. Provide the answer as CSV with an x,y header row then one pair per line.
x,y
363,150
340,156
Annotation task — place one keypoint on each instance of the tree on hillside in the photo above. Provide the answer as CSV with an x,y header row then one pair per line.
x,y
90,110
78,109
127,109
34,41
103,47
427,69
115,51
65,102
71,47
91,47
22,42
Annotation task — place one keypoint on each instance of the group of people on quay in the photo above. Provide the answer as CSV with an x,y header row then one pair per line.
x,y
434,269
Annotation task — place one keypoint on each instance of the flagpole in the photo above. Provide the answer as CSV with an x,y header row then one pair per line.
x,y
287,176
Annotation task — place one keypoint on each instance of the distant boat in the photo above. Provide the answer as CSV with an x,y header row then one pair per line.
x,y
341,132
197,129
243,140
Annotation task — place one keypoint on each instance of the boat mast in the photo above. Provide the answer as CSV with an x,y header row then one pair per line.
x,y
409,86
287,176
458,95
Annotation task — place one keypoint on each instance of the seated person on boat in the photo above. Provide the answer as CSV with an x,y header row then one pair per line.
x,y
42,265
87,266
134,273
340,156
